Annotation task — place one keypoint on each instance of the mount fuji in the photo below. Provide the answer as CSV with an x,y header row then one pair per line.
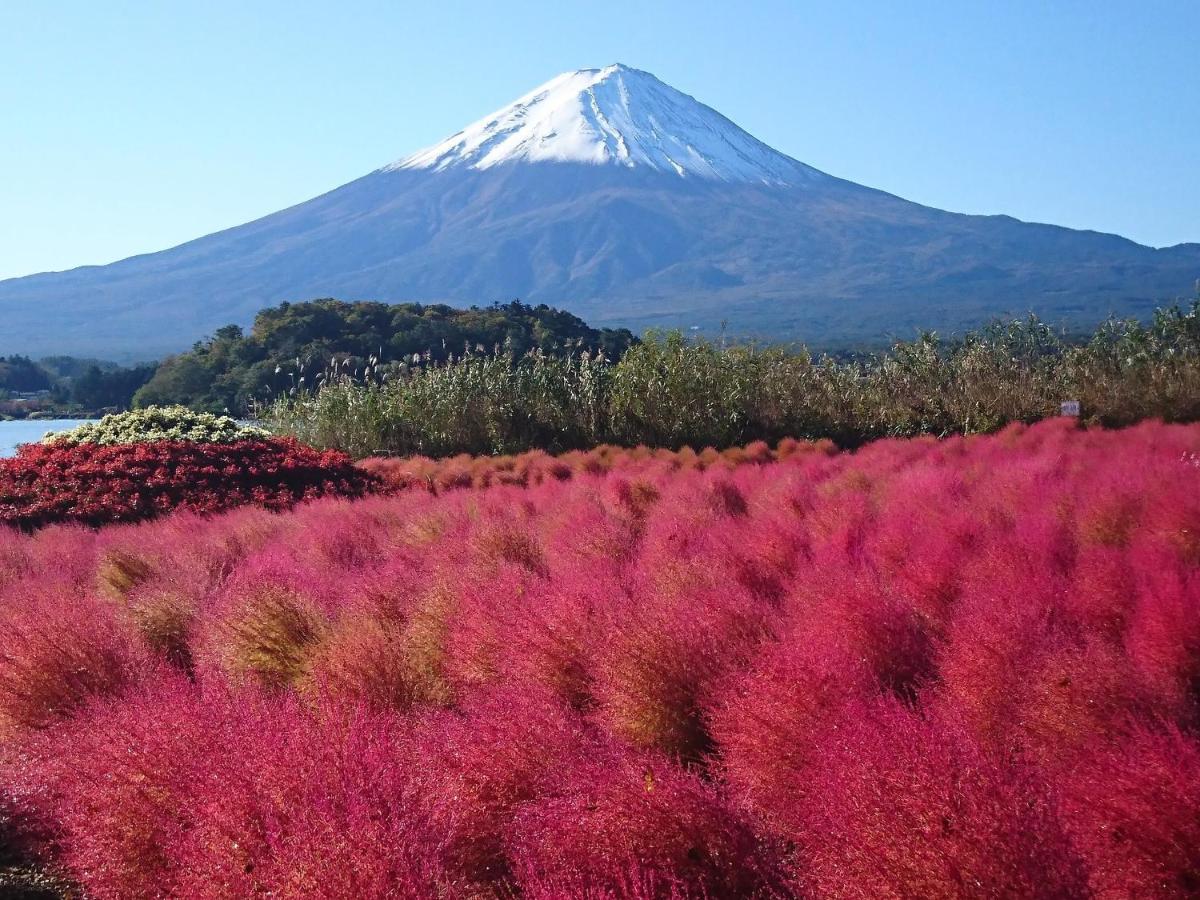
x,y
611,194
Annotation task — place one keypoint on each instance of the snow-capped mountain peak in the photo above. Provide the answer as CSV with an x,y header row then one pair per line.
x,y
613,116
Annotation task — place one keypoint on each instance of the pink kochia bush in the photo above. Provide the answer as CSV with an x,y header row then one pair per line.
x,y
958,668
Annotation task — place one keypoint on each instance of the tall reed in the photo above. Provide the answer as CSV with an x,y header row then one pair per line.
x,y
668,391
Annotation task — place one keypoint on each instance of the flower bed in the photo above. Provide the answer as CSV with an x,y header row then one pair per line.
x,y
94,484
158,423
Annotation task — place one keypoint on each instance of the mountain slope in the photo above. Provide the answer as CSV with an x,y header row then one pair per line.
x,y
618,198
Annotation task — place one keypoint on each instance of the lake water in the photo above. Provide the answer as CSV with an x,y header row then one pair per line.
x,y
27,431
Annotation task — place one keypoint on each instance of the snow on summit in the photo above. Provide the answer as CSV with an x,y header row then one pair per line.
x,y
613,116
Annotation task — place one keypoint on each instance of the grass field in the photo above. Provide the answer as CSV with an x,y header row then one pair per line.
x,y
966,667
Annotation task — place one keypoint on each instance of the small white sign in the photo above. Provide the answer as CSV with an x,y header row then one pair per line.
x,y
1070,408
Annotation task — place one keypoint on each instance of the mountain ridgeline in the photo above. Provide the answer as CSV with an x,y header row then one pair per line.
x,y
293,346
607,193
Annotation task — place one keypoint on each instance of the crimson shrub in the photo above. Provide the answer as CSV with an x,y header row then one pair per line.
x,y
94,484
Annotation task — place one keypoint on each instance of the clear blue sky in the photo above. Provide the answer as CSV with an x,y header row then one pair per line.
x,y
127,127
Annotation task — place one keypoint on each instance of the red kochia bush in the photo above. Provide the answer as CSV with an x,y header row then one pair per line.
x,y
56,656
1133,810
961,668
172,793
907,806
635,825
536,467
94,484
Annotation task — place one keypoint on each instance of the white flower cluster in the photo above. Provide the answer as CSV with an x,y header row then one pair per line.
x,y
157,423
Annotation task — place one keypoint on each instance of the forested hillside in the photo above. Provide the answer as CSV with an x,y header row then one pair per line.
x,y
293,344
66,385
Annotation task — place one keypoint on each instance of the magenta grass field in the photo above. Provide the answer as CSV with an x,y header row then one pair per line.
x,y
967,667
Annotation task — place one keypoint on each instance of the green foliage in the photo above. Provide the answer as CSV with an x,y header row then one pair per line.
x,y
20,373
172,423
97,388
290,344
477,403
670,392
73,384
